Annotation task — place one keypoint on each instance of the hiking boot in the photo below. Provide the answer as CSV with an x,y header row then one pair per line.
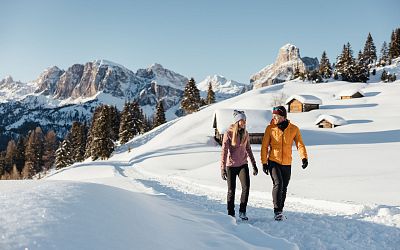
x,y
242,215
278,216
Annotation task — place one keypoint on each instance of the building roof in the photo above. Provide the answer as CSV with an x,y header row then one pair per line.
x,y
333,119
256,119
306,99
350,92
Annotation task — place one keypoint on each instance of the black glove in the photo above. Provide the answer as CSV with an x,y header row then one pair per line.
x,y
305,163
265,168
255,170
223,174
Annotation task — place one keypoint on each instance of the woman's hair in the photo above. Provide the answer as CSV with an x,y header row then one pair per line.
x,y
235,135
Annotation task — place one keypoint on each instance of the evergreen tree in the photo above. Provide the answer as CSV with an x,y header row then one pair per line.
x,y
115,123
394,46
50,147
78,139
191,97
210,94
10,155
131,122
369,54
325,68
296,73
34,153
159,117
143,124
15,175
346,66
125,133
2,163
384,59
137,122
20,153
384,76
89,139
361,73
64,153
102,144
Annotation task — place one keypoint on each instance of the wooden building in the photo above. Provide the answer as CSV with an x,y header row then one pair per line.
x,y
256,122
329,121
350,94
302,103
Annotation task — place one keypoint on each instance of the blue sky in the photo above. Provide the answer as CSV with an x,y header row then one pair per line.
x,y
194,38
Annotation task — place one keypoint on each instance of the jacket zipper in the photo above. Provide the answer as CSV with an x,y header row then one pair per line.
x,y
283,134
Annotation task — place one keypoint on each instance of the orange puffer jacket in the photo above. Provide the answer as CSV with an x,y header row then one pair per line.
x,y
277,144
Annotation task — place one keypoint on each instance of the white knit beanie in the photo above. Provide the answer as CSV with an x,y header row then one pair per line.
x,y
238,115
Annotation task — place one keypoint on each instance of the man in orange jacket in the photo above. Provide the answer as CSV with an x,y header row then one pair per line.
x,y
276,155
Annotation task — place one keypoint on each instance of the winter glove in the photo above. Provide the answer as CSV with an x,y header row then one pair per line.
x,y
223,174
305,163
265,168
255,170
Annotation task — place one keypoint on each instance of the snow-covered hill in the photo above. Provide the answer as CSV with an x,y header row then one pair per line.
x,y
346,199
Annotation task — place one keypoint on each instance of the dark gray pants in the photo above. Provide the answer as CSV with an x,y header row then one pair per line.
x,y
244,177
280,175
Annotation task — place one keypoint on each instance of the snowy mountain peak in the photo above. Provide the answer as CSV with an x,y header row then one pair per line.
x,y
47,81
14,90
108,63
222,87
288,52
164,77
286,62
7,80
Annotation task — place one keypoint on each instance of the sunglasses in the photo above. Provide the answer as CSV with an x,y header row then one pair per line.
x,y
239,111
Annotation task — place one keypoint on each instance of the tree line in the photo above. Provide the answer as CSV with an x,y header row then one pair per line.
x,y
37,153
352,69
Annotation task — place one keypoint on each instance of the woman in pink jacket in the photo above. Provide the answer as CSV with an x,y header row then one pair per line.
x,y
235,150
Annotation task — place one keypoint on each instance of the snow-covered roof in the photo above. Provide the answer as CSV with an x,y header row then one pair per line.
x,y
308,99
333,119
256,119
350,92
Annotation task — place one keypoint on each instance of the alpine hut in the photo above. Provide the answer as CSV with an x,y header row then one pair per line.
x,y
303,103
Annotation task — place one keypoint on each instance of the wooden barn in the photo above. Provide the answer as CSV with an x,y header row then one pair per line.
x,y
329,121
256,122
350,94
302,103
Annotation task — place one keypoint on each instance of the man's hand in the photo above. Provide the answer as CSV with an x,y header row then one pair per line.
x,y
265,168
305,163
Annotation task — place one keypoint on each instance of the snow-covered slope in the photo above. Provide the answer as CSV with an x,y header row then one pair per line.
x,y
348,197
348,193
102,209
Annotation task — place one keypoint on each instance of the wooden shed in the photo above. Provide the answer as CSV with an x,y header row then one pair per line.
x,y
329,121
350,94
256,122
302,103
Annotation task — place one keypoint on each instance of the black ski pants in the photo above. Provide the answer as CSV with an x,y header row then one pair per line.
x,y
280,175
243,173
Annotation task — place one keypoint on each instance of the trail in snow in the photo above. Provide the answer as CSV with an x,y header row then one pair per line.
x,y
306,219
